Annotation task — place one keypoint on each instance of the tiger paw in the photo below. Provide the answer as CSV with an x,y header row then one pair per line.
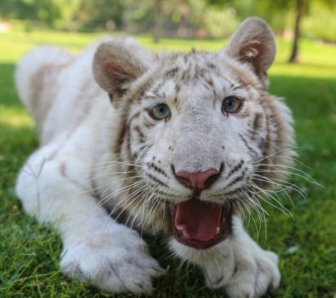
x,y
254,277
111,263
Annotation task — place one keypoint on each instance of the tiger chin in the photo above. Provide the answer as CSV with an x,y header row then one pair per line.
x,y
177,143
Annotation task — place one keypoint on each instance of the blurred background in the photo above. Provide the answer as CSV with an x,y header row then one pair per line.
x,y
299,223
202,19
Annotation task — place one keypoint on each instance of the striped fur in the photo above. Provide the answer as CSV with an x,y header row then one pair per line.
x,y
254,141
104,160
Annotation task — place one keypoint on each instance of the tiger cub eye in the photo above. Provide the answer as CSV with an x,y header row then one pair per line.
x,y
231,104
159,111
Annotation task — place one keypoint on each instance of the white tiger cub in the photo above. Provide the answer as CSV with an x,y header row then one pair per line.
x,y
185,143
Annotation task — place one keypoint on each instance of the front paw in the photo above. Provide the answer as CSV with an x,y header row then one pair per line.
x,y
254,277
111,262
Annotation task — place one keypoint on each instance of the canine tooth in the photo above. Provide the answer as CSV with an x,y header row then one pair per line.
x,y
217,230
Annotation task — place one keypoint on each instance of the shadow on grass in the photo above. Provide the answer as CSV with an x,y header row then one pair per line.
x,y
307,97
16,144
8,95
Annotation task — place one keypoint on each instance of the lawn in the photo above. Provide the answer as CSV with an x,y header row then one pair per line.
x,y
305,241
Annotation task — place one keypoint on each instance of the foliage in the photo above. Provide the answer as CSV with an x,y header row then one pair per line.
x,y
44,11
183,18
217,21
99,13
29,253
318,25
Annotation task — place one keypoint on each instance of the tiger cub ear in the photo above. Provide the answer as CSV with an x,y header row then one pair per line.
x,y
115,67
253,43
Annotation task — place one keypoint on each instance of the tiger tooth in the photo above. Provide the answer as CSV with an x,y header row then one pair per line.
x,y
217,230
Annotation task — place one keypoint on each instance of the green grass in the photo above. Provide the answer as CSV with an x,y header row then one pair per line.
x,y
29,253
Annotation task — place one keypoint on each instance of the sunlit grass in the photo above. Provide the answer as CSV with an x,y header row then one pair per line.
x,y
15,116
317,59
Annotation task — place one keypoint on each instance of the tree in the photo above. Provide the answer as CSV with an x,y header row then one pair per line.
x,y
103,14
300,7
43,11
158,13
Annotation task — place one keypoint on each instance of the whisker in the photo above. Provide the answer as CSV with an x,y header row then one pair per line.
x,y
285,188
279,205
262,215
260,212
112,175
291,171
275,153
154,205
113,163
130,200
143,206
107,184
305,177
131,196
280,187
118,192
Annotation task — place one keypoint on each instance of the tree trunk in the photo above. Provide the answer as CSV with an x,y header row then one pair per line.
x,y
158,20
294,56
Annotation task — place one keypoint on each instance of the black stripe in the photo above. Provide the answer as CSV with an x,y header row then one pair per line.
x,y
238,179
128,143
248,146
148,124
157,169
236,87
120,135
157,88
142,137
156,180
145,149
171,72
257,121
234,192
211,65
235,169
136,115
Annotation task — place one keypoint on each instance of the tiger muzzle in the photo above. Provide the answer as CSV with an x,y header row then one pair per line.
x,y
196,223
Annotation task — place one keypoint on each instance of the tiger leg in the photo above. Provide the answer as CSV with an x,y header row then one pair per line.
x,y
237,265
95,247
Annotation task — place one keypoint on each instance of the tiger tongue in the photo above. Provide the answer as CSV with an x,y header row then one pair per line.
x,y
198,220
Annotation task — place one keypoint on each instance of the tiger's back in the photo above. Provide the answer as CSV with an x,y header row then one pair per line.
x,y
53,85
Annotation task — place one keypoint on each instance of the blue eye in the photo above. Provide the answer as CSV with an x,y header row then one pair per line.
x,y
231,104
160,111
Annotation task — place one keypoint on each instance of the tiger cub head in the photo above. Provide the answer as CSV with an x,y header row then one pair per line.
x,y
199,137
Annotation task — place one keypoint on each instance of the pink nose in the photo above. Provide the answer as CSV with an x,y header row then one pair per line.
x,y
200,180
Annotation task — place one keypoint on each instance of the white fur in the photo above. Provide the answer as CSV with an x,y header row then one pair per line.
x,y
78,125
237,264
94,244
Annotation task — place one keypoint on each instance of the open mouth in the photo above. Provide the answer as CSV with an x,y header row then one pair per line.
x,y
200,224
